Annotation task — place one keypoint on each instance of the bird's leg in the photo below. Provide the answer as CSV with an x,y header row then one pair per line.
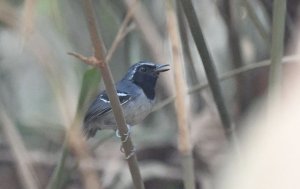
x,y
126,134
125,140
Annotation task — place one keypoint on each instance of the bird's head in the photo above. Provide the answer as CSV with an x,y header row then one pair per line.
x,y
145,75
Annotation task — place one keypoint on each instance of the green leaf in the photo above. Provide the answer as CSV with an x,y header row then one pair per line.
x,y
89,87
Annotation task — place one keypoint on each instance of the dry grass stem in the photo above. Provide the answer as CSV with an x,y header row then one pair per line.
x,y
64,104
122,32
180,84
79,147
100,53
209,67
28,18
184,143
277,49
147,28
25,170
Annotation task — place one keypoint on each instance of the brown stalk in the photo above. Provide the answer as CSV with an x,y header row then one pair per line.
x,y
25,170
74,139
184,143
147,28
28,18
100,62
152,38
121,33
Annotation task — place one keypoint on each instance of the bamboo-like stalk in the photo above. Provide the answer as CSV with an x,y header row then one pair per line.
x,y
74,139
208,65
278,28
56,180
242,82
256,21
99,61
28,18
148,30
153,38
25,170
184,143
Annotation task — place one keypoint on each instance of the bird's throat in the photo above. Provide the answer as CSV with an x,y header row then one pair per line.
x,y
147,84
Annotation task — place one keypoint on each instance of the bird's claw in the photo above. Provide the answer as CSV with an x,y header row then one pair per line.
x,y
125,140
126,134
131,153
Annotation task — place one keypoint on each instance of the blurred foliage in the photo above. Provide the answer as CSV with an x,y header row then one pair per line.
x,y
89,87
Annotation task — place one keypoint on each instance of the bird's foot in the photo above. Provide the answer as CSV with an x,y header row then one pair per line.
x,y
131,152
126,134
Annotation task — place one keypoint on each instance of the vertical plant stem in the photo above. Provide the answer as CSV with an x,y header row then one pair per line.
x,y
184,144
24,169
278,28
88,86
28,18
256,21
112,94
208,65
152,37
191,69
147,27
242,82
56,179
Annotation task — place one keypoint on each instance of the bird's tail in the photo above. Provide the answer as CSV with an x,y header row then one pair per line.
x,y
89,131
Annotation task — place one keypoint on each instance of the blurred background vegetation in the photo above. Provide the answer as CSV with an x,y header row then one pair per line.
x,y
37,78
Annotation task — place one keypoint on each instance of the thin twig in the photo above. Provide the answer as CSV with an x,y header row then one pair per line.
x,y
121,33
224,77
88,60
248,67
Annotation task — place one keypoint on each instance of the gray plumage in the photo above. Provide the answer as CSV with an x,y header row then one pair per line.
x,y
136,92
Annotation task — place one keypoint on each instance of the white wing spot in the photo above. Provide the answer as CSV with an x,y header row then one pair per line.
x,y
103,99
122,94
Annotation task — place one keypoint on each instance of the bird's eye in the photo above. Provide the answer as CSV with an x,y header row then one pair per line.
x,y
143,69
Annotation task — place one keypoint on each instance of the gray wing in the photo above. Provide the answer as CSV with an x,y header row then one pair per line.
x,y
100,107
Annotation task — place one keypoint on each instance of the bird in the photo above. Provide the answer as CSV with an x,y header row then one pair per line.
x,y
136,92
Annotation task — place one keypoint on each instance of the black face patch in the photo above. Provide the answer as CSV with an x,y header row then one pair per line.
x,y
145,77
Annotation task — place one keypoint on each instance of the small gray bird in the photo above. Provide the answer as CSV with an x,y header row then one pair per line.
x,y
136,92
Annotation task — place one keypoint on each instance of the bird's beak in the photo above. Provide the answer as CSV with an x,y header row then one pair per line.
x,y
162,68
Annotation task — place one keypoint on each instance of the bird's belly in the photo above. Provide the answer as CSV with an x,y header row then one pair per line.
x,y
137,113
134,113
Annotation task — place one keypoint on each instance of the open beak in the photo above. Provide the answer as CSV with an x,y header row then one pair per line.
x,y
162,68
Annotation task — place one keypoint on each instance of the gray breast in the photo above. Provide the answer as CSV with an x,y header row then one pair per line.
x,y
138,109
135,111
